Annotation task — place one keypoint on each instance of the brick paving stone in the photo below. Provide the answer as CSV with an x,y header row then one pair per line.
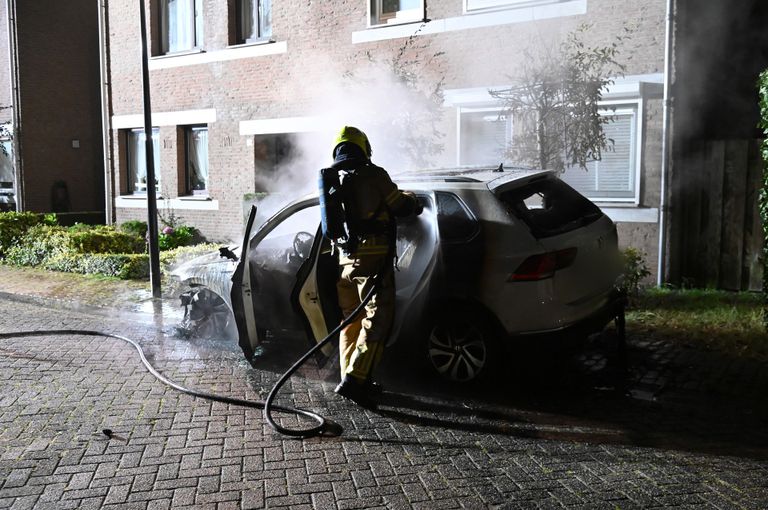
x,y
181,452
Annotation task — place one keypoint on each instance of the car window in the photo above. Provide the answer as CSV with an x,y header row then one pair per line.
x,y
289,243
550,207
454,220
305,220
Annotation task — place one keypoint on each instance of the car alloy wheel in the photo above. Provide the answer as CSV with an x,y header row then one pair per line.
x,y
208,316
458,350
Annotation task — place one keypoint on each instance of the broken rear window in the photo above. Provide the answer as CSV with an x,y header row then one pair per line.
x,y
550,207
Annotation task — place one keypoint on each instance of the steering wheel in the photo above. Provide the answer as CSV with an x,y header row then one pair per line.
x,y
302,244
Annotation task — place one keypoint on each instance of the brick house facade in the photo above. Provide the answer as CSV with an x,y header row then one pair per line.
x,y
50,99
255,104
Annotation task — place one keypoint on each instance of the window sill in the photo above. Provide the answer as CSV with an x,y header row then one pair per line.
x,y
203,203
255,42
630,213
250,50
399,23
177,54
195,198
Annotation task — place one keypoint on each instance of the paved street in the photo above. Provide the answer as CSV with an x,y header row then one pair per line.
x,y
681,429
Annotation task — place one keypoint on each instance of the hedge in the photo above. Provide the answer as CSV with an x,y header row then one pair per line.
x,y
13,226
29,239
81,250
103,239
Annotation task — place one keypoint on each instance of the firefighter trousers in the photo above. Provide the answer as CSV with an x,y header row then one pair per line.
x,y
361,343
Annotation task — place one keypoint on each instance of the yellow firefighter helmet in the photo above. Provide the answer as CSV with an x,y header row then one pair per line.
x,y
353,135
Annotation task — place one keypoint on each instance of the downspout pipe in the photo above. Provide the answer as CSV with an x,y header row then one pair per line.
x,y
16,104
106,139
663,267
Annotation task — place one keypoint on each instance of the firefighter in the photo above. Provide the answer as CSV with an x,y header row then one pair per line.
x,y
372,201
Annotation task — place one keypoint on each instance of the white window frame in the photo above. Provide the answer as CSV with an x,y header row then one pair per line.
x,y
197,21
495,108
473,6
375,12
636,108
188,131
636,105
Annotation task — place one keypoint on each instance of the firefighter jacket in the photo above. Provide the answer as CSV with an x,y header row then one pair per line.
x,y
371,202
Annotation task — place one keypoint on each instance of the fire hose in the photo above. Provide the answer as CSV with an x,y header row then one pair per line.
x,y
268,406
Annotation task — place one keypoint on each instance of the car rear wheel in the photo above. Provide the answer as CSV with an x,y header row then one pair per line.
x,y
461,347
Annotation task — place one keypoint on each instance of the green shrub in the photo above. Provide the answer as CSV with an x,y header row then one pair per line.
x,y
123,266
171,237
135,227
75,251
13,226
38,243
87,249
634,271
104,239
762,86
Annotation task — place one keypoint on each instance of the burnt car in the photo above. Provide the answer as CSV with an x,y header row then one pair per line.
x,y
497,258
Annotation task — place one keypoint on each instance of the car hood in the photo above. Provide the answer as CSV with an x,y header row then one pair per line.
x,y
210,270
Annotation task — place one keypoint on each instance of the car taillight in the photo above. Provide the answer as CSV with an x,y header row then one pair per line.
x,y
539,267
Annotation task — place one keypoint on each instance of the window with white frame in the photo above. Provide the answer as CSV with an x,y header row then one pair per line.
x,y
614,177
254,20
485,135
181,25
482,5
137,161
197,160
388,12
6,164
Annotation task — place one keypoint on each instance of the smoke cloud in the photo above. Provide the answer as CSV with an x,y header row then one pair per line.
x,y
399,114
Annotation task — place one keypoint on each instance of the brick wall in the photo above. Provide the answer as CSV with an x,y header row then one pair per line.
x,y
59,88
320,49
6,100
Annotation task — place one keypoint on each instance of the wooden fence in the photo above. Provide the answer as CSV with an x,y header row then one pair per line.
x,y
716,238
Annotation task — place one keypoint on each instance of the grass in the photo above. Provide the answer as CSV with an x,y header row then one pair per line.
x,y
727,322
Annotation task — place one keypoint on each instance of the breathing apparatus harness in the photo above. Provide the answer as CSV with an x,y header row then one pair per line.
x,y
336,200
330,227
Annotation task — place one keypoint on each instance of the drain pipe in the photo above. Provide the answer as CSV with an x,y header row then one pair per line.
x,y
13,51
662,269
106,139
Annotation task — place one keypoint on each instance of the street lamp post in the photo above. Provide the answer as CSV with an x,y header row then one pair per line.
x,y
154,251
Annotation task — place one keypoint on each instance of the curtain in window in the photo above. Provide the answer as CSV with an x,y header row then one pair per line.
x,y
265,18
198,159
181,28
137,162
255,19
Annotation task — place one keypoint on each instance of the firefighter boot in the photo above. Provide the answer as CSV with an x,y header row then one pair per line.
x,y
356,391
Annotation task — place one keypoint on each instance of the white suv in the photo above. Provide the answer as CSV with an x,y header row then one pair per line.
x,y
497,257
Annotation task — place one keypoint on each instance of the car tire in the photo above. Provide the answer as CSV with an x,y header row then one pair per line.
x,y
209,317
461,345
